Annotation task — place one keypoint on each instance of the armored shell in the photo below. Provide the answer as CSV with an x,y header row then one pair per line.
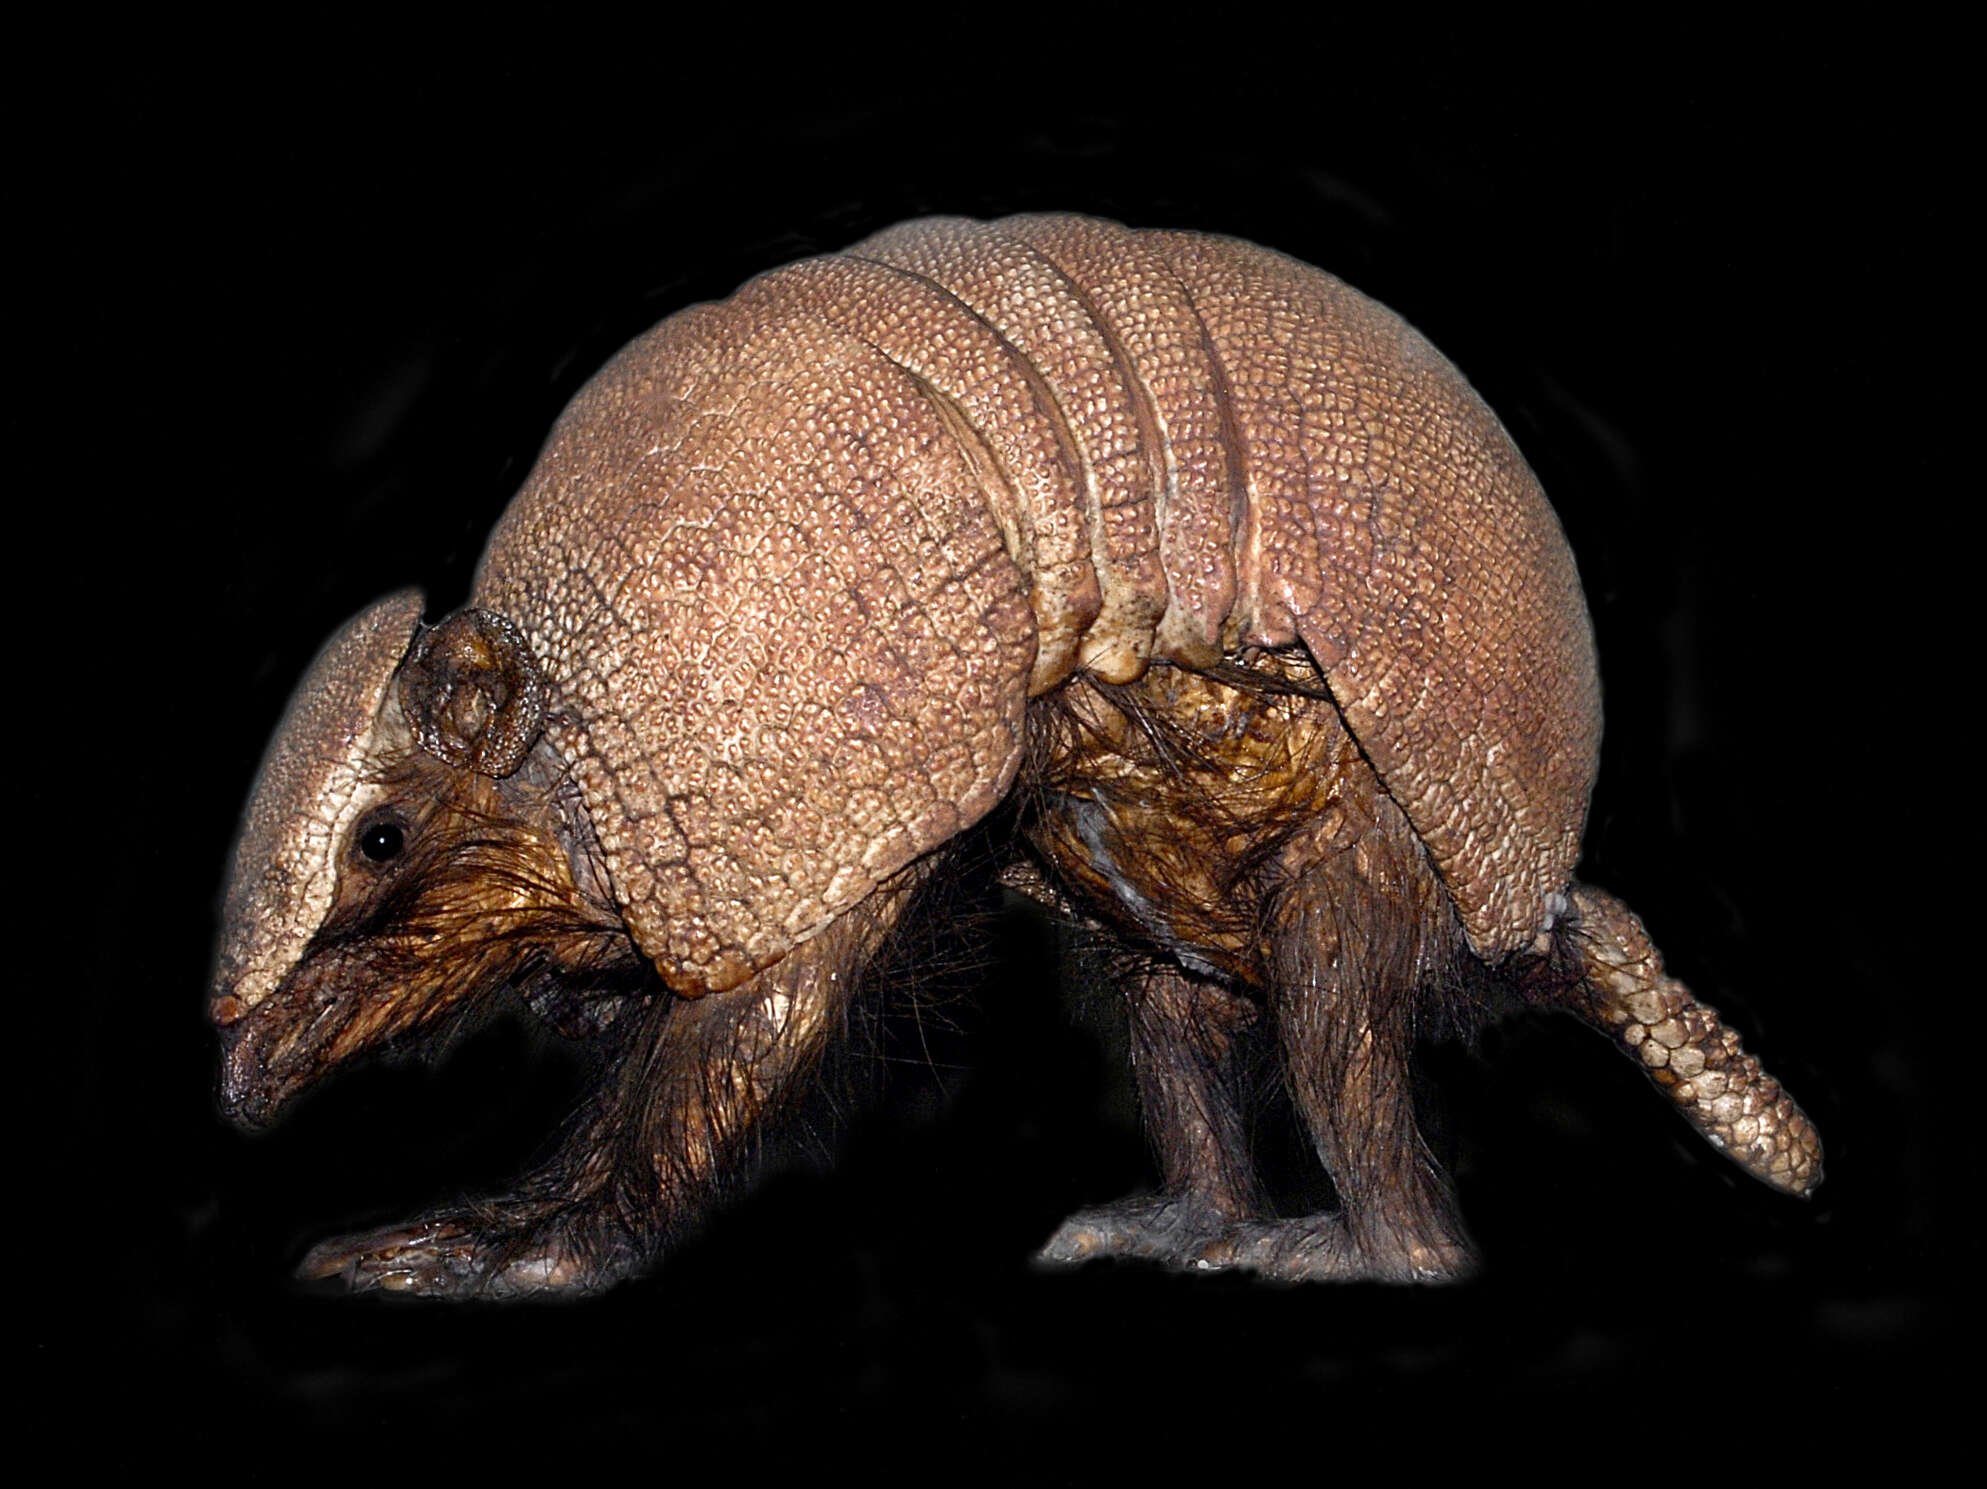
x,y
796,561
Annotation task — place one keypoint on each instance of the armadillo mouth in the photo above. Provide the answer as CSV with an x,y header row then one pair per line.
x,y
284,1043
247,1098
259,1074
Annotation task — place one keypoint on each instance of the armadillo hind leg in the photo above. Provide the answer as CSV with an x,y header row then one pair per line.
x,y
1684,1048
1347,945
1349,952
1186,1036
1234,828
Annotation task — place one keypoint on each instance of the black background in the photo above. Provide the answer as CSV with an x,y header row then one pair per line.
x,y
302,308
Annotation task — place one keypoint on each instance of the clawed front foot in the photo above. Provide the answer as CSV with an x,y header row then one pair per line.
x,y
460,1256
1190,1237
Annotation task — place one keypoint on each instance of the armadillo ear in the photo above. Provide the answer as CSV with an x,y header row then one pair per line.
x,y
472,693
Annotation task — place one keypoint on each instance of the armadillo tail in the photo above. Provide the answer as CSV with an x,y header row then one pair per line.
x,y
1617,983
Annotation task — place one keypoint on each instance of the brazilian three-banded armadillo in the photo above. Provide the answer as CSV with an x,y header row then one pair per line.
x,y
1209,566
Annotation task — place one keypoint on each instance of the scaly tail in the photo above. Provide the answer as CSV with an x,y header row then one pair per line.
x,y
1620,987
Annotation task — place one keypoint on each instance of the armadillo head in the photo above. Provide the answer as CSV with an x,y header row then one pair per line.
x,y
313,784
397,857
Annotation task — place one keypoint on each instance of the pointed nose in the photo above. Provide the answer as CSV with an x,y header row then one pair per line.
x,y
244,1090
244,1099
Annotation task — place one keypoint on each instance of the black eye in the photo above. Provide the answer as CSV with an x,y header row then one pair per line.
x,y
381,841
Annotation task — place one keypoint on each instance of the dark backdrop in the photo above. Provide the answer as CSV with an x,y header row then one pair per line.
x,y
304,306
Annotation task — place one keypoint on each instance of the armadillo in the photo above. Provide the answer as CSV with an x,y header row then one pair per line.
x,y
1203,572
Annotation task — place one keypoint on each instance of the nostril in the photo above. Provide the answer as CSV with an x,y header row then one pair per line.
x,y
226,1009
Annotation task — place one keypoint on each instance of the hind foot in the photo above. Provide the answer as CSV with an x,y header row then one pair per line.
x,y
1191,1237
1152,1227
460,1255
1321,1248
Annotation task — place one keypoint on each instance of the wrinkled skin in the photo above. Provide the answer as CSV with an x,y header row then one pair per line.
x,y
1207,569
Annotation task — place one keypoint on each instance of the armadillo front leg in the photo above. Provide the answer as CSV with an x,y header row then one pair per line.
x,y
697,1089
1185,1036
1699,1063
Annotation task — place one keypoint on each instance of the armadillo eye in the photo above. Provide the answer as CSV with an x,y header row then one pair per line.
x,y
381,841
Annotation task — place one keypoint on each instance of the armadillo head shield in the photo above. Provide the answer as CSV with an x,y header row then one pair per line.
x,y
281,883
